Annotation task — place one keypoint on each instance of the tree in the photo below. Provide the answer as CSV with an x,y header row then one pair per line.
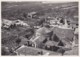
x,y
7,51
4,50
55,38
18,41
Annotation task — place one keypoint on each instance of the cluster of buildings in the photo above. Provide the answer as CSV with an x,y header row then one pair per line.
x,y
7,23
46,37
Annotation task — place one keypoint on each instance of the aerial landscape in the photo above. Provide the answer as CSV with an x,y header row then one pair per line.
x,y
39,28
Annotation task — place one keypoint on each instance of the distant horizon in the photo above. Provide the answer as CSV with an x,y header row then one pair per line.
x,y
45,2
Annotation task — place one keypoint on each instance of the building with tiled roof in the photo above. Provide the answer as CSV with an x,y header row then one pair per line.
x,y
25,50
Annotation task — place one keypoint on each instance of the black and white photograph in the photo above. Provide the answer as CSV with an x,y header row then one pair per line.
x,y
36,28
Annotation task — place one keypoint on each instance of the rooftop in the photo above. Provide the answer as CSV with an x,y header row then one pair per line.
x,y
51,43
24,50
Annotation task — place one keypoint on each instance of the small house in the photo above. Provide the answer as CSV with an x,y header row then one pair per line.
x,y
6,23
19,22
25,50
51,45
31,14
